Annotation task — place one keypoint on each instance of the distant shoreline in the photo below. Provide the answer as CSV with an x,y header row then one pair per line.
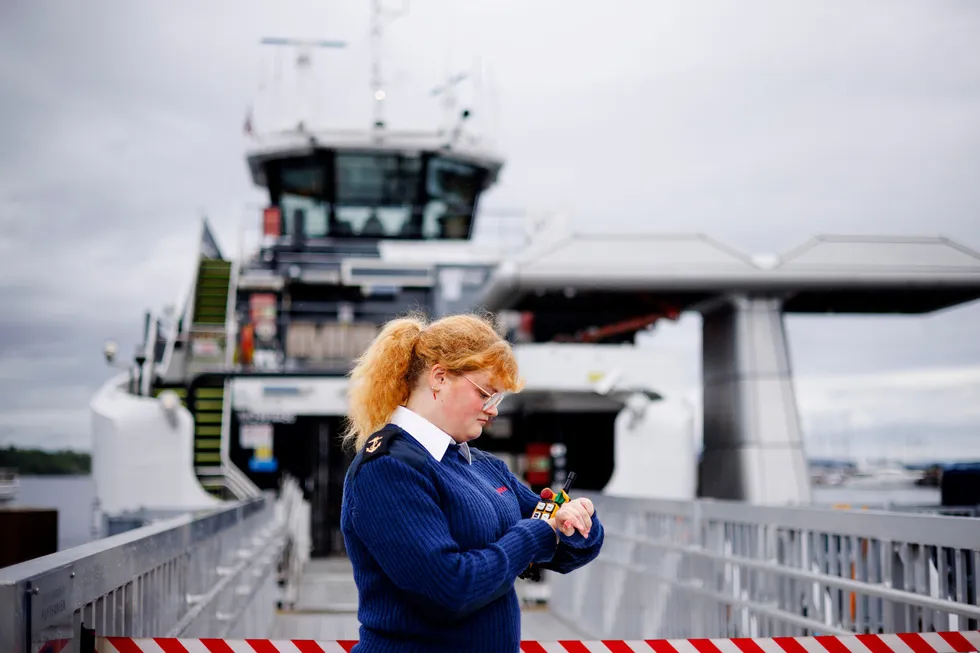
x,y
38,462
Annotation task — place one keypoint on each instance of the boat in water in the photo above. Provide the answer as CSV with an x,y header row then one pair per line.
x,y
9,484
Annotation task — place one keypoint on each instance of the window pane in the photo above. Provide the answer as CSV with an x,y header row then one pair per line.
x,y
314,215
376,179
303,178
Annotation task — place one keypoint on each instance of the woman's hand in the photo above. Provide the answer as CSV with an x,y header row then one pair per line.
x,y
575,515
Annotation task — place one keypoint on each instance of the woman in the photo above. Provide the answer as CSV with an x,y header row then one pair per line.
x,y
439,531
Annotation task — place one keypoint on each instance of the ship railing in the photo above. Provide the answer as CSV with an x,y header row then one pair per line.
x,y
957,511
211,574
235,480
725,569
296,516
231,322
150,364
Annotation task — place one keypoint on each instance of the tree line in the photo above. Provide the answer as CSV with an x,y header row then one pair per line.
x,y
36,462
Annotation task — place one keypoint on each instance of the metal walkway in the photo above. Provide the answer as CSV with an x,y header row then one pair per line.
x,y
671,569
326,608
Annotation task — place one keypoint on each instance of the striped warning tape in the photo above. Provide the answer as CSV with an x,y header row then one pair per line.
x,y
948,642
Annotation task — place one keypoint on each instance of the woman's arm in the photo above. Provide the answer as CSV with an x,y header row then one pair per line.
x,y
395,511
574,551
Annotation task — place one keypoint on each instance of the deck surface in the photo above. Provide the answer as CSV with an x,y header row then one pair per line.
x,y
326,609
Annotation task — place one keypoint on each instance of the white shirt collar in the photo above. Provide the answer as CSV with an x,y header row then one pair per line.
x,y
435,440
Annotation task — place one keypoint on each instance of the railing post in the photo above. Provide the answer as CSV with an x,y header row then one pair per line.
x,y
696,524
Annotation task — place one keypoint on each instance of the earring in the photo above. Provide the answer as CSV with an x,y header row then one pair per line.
x,y
433,393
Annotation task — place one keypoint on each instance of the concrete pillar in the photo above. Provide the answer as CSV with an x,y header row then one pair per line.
x,y
753,445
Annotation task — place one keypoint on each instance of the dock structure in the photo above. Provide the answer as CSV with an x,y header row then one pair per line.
x,y
669,569
753,443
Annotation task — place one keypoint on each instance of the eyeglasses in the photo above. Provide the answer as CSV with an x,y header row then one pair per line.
x,y
492,399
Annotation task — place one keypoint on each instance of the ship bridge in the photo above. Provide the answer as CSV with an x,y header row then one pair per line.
x,y
351,185
605,288
354,224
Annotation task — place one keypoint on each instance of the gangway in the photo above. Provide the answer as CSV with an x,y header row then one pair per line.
x,y
677,569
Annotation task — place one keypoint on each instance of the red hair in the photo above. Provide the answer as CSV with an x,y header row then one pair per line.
x,y
388,370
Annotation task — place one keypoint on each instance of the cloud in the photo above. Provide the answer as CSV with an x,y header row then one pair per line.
x,y
62,428
758,123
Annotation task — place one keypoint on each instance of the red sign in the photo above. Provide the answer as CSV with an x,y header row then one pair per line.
x,y
272,221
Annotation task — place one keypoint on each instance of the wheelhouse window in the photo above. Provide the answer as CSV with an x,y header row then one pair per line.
x,y
303,199
376,195
451,188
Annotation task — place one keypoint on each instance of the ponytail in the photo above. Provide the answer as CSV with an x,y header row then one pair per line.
x,y
382,379
386,373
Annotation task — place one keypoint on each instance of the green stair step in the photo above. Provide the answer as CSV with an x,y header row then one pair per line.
x,y
213,300
208,419
180,391
212,286
212,264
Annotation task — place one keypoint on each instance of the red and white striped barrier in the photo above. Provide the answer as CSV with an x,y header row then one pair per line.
x,y
950,642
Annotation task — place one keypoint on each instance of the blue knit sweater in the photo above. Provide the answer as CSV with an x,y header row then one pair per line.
x,y
437,547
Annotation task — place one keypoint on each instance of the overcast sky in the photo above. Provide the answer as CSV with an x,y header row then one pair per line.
x,y
759,123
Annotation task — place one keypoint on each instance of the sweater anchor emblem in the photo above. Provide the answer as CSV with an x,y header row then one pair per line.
x,y
373,444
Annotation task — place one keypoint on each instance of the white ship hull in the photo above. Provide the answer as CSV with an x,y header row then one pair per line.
x,y
143,453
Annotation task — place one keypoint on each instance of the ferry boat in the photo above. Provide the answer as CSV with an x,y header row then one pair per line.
x,y
245,385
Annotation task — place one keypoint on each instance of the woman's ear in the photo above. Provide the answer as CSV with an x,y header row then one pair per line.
x,y
438,375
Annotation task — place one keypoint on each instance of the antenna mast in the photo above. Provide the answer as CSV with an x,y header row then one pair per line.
x,y
448,92
304,49
378,20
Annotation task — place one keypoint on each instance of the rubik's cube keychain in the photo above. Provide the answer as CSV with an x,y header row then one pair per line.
x,y
546,509
550,502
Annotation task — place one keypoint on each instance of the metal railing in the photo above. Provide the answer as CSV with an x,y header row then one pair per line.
x,y
240,485
726,569
296,514
212,574
231,321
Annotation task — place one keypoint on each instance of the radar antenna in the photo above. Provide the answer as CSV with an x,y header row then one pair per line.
x,y
447,93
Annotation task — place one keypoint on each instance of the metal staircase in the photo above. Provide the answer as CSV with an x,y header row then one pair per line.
x,y
211,336
206,334
208,408
212,423
211,294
